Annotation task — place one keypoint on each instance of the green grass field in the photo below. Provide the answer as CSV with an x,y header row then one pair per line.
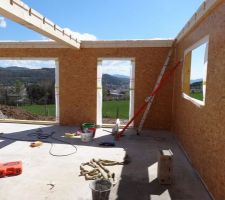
x,y
40,109
109,109
198,96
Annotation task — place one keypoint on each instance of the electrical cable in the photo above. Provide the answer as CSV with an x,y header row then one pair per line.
x,y
61,155
43,136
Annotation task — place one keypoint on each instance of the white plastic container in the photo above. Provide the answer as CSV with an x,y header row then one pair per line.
x,y
86,137
116,127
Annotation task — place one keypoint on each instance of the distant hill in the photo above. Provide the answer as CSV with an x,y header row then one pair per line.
x,y
121,76
15,68
113,80
196,84
196,80
8,75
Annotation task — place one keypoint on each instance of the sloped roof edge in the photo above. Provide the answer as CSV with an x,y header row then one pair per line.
x,y
203,11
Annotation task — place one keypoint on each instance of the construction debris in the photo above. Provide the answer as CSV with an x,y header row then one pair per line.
x,y
70,135
36,144
52,185
165,167
73,135
13,112
95,169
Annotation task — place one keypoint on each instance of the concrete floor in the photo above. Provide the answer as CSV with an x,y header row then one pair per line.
x,y
135,181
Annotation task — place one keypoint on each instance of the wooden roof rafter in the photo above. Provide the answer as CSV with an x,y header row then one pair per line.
x,y
19,12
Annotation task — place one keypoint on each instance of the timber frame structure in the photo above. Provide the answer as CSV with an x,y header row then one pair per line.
x,y
199,127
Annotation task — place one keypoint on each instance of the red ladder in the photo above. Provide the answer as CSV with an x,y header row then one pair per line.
x,y
164,79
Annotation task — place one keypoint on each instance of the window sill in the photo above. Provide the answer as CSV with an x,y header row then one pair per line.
x,y
196,102
16,121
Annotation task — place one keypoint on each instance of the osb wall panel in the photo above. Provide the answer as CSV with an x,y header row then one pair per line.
x,y
202,129
77,81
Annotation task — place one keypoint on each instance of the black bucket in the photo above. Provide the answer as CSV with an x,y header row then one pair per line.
x,y
100,189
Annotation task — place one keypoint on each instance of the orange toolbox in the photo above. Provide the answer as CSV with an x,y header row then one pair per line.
x,y
10,168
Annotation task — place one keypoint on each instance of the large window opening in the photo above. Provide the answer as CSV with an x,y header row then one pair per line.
x,y
28,89
195,71
115,90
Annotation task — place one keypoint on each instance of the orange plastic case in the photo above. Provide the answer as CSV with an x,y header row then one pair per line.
x,y
10,168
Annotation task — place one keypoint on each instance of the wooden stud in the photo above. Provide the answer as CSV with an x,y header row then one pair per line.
x,y
187,73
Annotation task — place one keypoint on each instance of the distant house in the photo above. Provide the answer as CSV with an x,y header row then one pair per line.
x,y
115,94
196,87
8,95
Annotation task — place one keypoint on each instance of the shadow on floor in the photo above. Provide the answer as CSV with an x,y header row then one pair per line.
x,y
57,132
139,178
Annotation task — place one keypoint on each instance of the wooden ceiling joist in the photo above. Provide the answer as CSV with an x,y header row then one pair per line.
x,y
19,12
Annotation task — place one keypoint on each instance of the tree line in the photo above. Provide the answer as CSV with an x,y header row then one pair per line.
x,y
28,93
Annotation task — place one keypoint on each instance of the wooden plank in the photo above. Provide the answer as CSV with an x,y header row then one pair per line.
x,y
21,13
127,43
187,73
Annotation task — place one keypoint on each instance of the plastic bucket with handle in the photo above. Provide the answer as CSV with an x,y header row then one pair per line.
x,y
88,127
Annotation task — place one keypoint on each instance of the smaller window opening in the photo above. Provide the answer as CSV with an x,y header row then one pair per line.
x,y
195,71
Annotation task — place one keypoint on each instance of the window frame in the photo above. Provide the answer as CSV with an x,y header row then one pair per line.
x,y
186,72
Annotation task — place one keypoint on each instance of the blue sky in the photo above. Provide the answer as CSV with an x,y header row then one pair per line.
x,y
122,67
108,19
197,62
33,64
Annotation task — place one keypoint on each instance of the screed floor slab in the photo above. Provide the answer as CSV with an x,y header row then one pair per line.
x,y
47,177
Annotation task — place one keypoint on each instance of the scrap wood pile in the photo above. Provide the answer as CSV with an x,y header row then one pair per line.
x,y
95,169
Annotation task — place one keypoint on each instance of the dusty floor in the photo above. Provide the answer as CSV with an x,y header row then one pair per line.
x,y
135,181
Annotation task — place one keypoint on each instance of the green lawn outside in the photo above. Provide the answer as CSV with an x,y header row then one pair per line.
x,y
40,109
109,109
198,96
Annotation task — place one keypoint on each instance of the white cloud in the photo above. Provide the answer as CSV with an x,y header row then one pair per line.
x,y
122,67
44,38
80,36
2,22
32,64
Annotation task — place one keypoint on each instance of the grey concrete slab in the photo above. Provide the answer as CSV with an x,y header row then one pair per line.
x,y
137,180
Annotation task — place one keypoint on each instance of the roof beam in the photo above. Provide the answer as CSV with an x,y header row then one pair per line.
x,y
126,43
89,44
19,12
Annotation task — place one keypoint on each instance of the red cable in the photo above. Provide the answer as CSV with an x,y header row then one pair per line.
x,y
166,77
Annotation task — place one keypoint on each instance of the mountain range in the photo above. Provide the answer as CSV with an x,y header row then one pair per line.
x,y
115,80
121,76
8,75
196,80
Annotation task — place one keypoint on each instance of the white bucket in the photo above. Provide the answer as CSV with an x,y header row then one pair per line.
x,y
86,137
